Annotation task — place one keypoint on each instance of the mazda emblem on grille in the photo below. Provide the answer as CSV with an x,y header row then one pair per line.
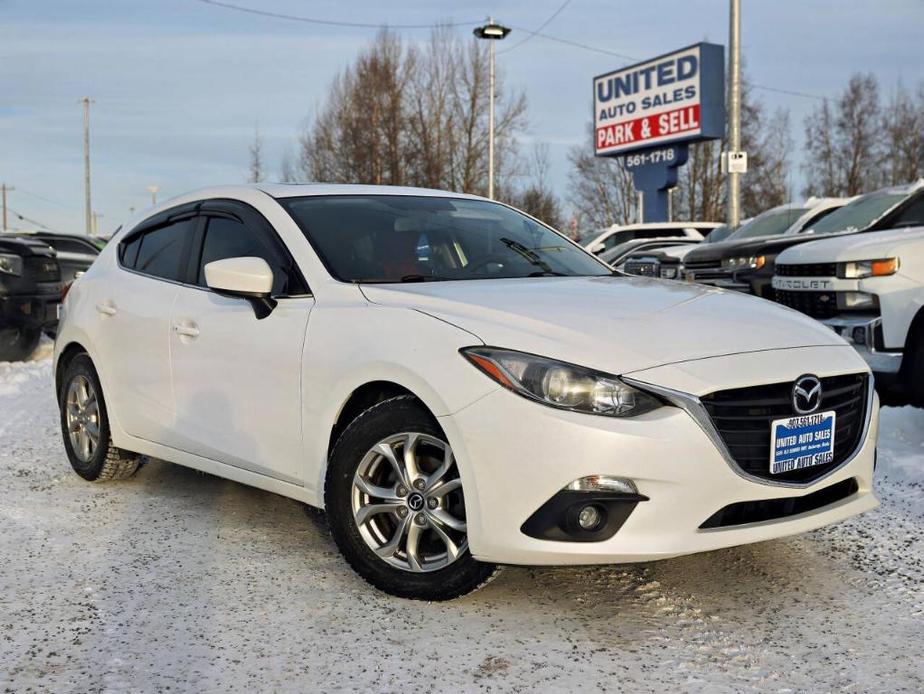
x,y
806,394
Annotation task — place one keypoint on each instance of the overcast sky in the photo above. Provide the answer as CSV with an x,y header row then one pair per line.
x,y
180,85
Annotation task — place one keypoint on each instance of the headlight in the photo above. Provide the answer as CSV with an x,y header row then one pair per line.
x,y
10,264
869,268
561,385
749,262
669,273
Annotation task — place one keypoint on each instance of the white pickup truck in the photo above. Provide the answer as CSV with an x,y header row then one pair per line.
x,y
870,289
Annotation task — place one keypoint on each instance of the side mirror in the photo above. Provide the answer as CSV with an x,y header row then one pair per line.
x,y
598,249
246,278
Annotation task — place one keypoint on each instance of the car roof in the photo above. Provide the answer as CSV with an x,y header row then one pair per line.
x,y
297,190
662,225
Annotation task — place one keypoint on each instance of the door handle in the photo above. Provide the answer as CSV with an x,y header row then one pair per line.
x,y
186,329
107,308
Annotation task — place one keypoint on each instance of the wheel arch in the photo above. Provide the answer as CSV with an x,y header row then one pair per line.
x,y
67,355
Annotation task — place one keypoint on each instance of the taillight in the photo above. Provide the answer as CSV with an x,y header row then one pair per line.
x,y
65,288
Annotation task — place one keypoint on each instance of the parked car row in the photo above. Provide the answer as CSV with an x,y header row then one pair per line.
x,y
818,259
34,269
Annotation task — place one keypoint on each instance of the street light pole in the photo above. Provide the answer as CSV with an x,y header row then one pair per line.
x,y
153,191
88,211
492,32
734,112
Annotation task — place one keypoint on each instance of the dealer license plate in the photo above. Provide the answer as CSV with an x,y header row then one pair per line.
x,y
800,442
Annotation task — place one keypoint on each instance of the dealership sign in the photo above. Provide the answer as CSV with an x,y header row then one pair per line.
x,y
678,97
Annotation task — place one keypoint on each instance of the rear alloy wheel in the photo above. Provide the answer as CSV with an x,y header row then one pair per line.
x,y
396,507
85,426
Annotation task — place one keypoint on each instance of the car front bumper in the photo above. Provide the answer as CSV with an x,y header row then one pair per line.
x,y
861,333
29,311
515,455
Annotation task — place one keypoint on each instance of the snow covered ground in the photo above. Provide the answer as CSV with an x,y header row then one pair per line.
x,y
182,581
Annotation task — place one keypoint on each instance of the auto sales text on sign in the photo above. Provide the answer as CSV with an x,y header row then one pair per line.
x,y
677,97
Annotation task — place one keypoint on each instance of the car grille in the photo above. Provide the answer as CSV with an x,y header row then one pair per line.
x,y
646,268
807,270
743,418
707,270
815,304
775,509
41,269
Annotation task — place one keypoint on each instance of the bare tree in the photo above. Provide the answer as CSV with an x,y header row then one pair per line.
x,y
903,134
600,189
255,174
538,198
414,116
287,173
702,186
843,142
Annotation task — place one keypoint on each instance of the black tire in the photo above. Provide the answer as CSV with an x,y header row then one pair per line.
x,y
389,418
17,344
915,355
106,462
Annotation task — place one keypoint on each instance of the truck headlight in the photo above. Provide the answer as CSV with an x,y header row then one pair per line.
x,y
749,262
859,269
561,385
669,273
11,264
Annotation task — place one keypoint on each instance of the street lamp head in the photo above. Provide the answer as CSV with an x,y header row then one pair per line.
x,y
492,31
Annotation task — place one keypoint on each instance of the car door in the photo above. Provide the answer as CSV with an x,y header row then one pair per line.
x,y
236,378
133,308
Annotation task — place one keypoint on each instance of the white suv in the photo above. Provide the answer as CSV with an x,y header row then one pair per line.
x,y
457,385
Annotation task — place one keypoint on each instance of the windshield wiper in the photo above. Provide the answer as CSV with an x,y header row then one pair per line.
x,y
423,278
531,257
547,273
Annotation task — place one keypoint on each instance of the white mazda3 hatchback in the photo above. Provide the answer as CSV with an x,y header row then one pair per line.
x,y
456,384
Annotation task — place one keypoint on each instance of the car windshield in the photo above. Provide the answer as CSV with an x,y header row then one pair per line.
x,y
718,234
399,238
858,214
769,223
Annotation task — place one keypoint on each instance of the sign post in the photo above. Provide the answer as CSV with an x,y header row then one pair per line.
x,y
648,114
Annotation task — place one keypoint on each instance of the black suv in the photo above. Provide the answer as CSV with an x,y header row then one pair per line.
x,y
75,253
30,292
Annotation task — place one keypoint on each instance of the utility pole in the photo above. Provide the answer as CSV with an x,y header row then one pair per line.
x,y
86,164
734,112
96,216
493,32
6,189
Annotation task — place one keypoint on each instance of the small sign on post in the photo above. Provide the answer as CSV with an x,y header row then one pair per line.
x,y
649,112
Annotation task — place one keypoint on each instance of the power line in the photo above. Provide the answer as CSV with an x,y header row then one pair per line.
x,y
42,197
576,44
24,218
541,27
530,34
330,22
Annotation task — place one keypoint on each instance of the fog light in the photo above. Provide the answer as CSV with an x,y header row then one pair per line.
x,y
859,336
590,517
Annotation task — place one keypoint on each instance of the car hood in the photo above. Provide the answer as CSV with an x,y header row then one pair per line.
x,y
763,245
865,246
613,324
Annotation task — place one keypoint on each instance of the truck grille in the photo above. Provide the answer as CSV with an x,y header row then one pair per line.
x,y
743,418
807,270
815,304
646,268
41,268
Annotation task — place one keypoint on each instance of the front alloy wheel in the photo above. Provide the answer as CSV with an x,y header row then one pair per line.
x,y
407,502
82,417
395,504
